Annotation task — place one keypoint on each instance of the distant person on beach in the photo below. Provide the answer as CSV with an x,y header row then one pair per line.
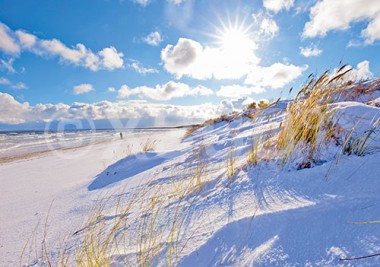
x,y
121,135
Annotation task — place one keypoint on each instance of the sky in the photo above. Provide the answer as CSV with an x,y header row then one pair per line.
x,y
127,63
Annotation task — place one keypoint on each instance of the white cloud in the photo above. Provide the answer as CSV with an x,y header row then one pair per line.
x,y
137,66
372,32
164,92
108,58
360,73
201,90
4,81
111,90
278,5
83,88
55,47
11,111
26,40
7,43
139,112
275,76
19,86
153,38
181,58
310,51
236,91
269,28
190,58
328,15
111,58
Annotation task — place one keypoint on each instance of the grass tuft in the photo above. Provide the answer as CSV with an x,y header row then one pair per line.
x,y
231,164
253,152
308,114
149,145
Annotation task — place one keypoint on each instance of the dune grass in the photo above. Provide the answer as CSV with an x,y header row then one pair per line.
x,y
231,164
355,144
148,221
191,130
308,114
148,145
253,158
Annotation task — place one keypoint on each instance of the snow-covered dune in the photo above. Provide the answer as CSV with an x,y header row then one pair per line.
x,y
199,201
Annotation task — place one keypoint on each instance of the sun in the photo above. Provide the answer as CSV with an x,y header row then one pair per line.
x,y
233,50
235,37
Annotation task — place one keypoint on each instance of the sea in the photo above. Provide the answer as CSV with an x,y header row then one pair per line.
x,y
16,143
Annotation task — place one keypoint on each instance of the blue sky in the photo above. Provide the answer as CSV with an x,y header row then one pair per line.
x,y
183,61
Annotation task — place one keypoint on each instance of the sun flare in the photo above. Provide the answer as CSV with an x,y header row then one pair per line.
x,y
235,39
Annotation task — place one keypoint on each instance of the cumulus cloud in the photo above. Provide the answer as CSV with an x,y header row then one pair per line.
x,y
190,58
83,88
362,72
237,91
139,68
7,42
164,92
111,58
14,42
11,111
275,76
108,58
180,59
269,28
140,112
153,38
328,15
278,5
372,32
310,51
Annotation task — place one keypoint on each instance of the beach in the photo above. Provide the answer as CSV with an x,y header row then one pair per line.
x,y
52,186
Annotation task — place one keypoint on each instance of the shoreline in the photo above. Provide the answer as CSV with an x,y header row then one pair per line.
x,y
31,155
5,131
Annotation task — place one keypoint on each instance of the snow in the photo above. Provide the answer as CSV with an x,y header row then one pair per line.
x,y
60,180
265,215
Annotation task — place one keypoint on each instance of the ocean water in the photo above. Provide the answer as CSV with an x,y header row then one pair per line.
x,y
16,143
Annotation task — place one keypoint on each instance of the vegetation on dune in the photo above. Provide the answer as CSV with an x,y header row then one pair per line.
x,y
310,121
231,164
253,158
148,145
